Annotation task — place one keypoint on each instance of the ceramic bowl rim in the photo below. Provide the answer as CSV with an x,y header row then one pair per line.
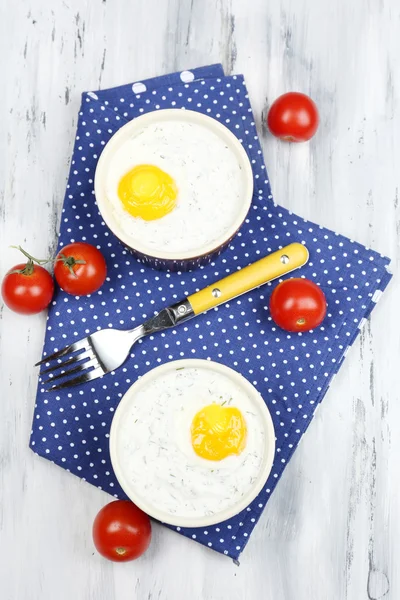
x,y
269,449
145,120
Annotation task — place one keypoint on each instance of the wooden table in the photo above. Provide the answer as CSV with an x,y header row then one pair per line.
x,y
332,527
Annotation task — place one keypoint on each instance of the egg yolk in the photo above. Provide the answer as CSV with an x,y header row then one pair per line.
x,y
147,192
218,431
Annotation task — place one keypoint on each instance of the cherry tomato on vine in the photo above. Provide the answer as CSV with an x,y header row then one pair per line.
x,y
27,292
293,117
297,305
27,288
121,531
80,269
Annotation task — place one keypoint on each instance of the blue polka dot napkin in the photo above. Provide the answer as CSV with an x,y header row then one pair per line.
x,y
292,371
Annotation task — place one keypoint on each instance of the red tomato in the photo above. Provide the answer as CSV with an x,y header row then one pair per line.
x,y
27,288
80,269
293,117
297,305
121,531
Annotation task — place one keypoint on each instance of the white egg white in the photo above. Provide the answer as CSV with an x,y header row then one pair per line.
x,y
156,451
206,172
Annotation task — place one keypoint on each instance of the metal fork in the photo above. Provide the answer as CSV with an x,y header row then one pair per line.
x,y
106,350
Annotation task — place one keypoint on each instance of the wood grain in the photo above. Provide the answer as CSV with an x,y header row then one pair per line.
x,y
332,527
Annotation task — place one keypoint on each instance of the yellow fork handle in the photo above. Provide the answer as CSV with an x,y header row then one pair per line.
x,y
270,267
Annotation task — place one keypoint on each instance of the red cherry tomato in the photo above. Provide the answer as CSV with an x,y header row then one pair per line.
x,y
80,269
293,117
27,288
297,305
121,531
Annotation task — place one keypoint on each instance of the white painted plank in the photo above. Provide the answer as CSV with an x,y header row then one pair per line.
x,y
332,527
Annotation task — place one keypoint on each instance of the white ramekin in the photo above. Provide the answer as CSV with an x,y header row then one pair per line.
x,y
156,510
174,261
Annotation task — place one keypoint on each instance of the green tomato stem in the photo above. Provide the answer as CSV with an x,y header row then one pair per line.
x,y
29,267
70,262
39,261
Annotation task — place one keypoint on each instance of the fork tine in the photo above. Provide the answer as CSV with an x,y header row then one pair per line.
x,y
94,374
81,367
67,350
70,361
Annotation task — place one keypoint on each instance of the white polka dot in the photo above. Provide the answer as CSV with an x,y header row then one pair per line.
x,y
187,76
139,88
